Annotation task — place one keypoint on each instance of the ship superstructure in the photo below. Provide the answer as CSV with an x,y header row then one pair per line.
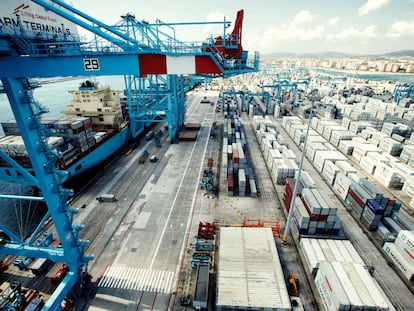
x,y
101,105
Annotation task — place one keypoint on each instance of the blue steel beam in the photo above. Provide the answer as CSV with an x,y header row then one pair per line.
x,y
17,249
49,183
80,65
15,67
151,100
68,282
92,28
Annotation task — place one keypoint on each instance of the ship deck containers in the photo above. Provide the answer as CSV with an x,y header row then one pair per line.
x,y
349,288
373,288
249,273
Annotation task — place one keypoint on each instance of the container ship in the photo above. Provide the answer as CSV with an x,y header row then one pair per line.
x,y
95,126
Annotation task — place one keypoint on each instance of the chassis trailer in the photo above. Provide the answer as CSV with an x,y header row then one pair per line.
x,y
106,197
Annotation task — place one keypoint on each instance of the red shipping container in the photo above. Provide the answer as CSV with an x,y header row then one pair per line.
x,y
356,198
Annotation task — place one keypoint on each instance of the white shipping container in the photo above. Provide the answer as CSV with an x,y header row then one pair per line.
x,y
329,171
309,253
346,146
333,245
302,214
341,185
373,288
330,288
311,201
346,167
367,300
348,286
352,252
326,250
393,252
321,156
405,239
368,164
318,250
388,176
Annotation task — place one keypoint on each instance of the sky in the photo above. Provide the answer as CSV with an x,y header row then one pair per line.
x,y
298,26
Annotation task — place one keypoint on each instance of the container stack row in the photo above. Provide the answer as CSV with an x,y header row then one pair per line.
x,y
340,276
372,149
312,215
236,163
368,204
280,160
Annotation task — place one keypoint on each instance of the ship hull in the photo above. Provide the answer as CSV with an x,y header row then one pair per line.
x,y
100,154
95,157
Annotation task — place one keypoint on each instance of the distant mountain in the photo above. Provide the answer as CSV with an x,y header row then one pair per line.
x,y
332,54
400,53
279,55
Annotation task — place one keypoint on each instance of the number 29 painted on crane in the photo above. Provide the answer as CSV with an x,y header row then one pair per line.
x,y
91,64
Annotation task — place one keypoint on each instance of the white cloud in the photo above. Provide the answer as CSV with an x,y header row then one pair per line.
x,y
276,37
352,33
216,17
334,20
401,29
372,5
292,33
303,17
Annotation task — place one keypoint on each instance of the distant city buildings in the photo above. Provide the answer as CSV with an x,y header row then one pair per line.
x,y
387,65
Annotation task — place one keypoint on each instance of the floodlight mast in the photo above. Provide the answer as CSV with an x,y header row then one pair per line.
x,y
297,181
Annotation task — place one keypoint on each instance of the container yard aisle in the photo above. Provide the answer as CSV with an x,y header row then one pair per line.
x,y
270,199
392,285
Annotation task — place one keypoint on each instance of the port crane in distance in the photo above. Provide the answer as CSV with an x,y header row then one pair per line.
x,y
38,51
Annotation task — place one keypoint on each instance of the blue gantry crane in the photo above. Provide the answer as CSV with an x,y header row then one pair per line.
x,y
156,66
401,91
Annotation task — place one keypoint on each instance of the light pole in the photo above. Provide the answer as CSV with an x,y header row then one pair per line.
x,y
298,175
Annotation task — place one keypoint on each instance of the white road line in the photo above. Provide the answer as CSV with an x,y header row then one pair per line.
x,y
172,206
137,279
